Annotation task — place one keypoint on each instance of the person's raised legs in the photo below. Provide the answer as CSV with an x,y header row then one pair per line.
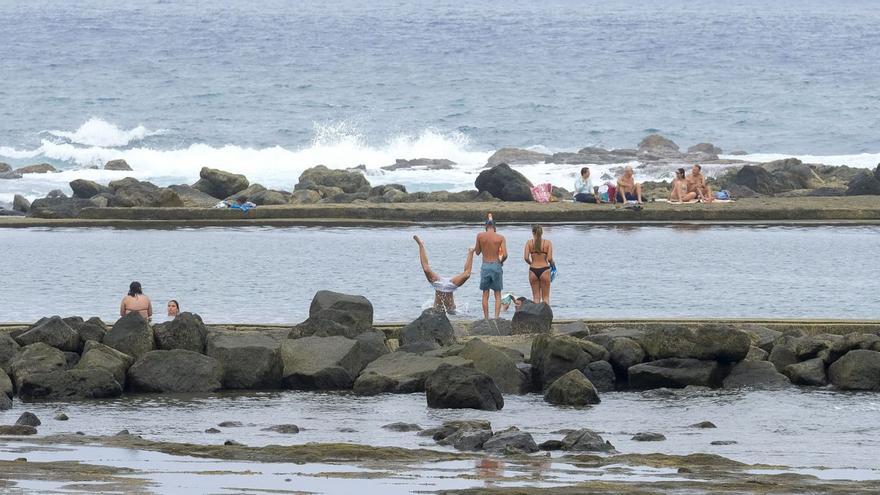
x,y
423,258
463,277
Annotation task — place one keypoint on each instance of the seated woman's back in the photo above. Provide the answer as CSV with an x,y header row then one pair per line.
x,y
136,301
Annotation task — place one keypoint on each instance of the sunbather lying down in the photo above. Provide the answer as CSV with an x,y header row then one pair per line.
x,y
444,286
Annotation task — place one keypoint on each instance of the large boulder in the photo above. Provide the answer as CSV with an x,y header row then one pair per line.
x,y
810,372
59,207
350,181
532,318
92,329
624,353
516,156
401,372
36,359
497,364
490,327
585,440
185,331
655,144
220,184
94,383
131,335
130,192
8,349
251,360
761,336
54,332
335,314
324,363
192,197
857,370
755,374
864,184
760,180
431,330
461,434
462,387
721,343
676,373
5,385
85,189
177,370
39,168
118,164
601,375
572,389
20,204
504,183
99,356
555,355
510,441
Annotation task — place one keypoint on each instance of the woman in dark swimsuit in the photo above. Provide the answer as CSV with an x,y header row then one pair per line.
x,y
538,253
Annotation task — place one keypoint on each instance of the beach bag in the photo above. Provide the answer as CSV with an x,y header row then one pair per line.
x,y
612,193
723,195
542,193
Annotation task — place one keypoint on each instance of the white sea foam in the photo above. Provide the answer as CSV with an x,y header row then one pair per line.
x,y
99,132
861,160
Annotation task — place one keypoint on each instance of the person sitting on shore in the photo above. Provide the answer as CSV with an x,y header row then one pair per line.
x,y
696,183
136,302
538,253
444,287
173,309
627,187
509,299
584,189
679,192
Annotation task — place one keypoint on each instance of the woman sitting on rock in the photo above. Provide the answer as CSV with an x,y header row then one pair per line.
x,y
136,302
538,253
679,193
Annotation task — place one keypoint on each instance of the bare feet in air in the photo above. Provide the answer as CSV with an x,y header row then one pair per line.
x,y
418,241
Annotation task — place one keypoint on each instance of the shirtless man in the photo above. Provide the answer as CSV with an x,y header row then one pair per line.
x,y
493,248
696,183
627,187
444,286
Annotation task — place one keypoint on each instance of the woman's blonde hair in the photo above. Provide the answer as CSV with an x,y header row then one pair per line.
x,y
538,242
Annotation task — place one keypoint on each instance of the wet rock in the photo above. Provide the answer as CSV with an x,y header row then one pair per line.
x,y
92,329
532,319
185,331
510,441
402,427
460,387
551,445
335,314
230,424
233,443
572,389
212,430
555,355
20,204
177,370
755,374
723,442
498,365
59,207
757,354
490,327
193,198
720,343
649,437
36,359
585,440
852,341
601,375
504,183
864,184
431,330
131,335
61,417
28,418
5,402
5,384
220,184
17,430
123,433
655,144
8,349
4,168
784,352
9,176
350,181
130,192
94,383
99,356
422,163
285,429
810,372
40,168
761,336
54,332
85,189
246,194
322,363
462,435
516,156
305,197
761,181
118,164
250,360
705,148
400,372
675,373
72,358
857,370
577,329
624,353
704,425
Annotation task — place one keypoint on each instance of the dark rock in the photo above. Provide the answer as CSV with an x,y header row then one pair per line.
x,y
94,383
250,360
550,445
859,369
462,435
555,355
335,314
5,384
784,352
220,184
99,356
61,417
54,332
704,425
348,180
92,329
675,373
270,197
760,180
193,198
649,437
230,424
490,327
585,440
516,156
721,343
59,207
9,176
572,389
402,427
504,183
510,441
131,335
8,349
212,430
4,167
723,442
431,330
400,372
425,163
177,370
17,430
707,148
72,358
755,374
28,418
532,319
761,336
20,204
810,372
460,387
85,189
233,443
130,192
185,331
305,197
323,363
866,183
655,144
40,168
36,359
118,164
601,375
625,353
285,429
757,354
498,365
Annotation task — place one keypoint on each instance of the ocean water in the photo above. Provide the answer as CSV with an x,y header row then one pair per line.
x,y
271,88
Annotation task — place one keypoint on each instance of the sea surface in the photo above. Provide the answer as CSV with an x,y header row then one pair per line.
x,y
269,275
271,88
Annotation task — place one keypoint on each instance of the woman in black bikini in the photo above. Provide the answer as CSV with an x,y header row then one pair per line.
x,y
538,253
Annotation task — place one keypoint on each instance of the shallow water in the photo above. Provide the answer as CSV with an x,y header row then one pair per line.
x,y
270,274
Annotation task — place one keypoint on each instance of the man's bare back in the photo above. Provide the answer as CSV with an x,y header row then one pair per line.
x,y
489,245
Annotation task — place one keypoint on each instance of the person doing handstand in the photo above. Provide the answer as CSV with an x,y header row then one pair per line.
x,y
444,286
